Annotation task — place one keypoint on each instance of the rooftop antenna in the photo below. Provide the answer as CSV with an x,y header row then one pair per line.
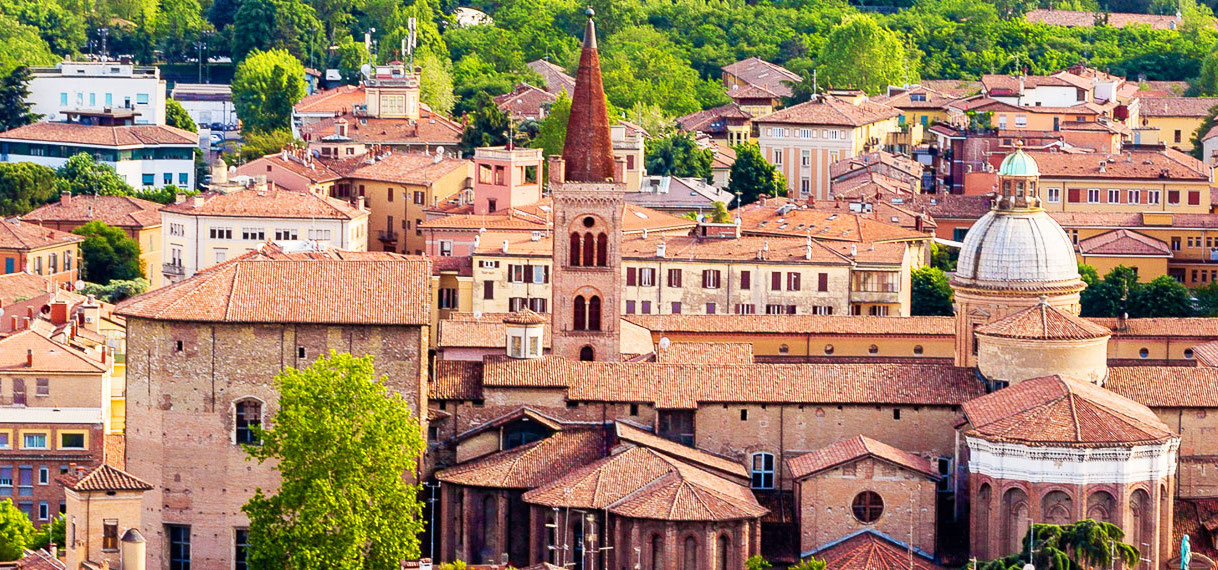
x,y
410,41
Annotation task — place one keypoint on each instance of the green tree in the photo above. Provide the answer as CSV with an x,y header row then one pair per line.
x,y
436,83
268,25
177,28
1207,83
1083,544
344,444
930,293
265,87
552,133
860,54
678,154
810,564
116,290
1163,296
14,102
108,254
82,174
488,125
25,186
21,45
753,176
62,29
1210,121
258,144
16,531
176,116
1207,299
719,213
642,65
757,562
52,532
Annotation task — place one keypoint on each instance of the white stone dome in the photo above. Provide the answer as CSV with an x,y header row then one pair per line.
x,y
1017,250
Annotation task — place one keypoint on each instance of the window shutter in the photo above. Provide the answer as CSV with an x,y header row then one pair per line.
x,y
822,282
488,289
545,274
631,276
1072,195
775,281
705,278
746,280
1194,197
794,281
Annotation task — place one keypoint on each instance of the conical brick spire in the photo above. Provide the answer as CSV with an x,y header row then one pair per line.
x,y
588,150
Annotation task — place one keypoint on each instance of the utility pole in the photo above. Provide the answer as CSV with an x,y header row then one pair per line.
x,y
104,32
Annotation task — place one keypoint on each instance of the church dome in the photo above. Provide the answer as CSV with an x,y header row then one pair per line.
x,y
1018,163
1025,250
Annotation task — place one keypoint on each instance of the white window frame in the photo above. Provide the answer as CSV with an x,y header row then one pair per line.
x,y
761,476
1135,196
1093,195
1153,196
46,440
1054,195
1114,196
647,277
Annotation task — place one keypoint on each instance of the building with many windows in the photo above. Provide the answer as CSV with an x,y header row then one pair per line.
x,y
75,86
143,155
139,219
30,248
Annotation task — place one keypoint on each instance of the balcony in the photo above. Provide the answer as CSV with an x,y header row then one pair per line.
x,y
387,236
875,296
173,269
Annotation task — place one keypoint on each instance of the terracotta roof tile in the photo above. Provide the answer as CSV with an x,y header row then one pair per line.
x,y
409,168
525,102
1165,386
643,483
713,121
331,101
1195,327
463,330
1124,242
830,110
39,559
456,380
1044,322
556,79
1130,164
785,217
633,435
118,211
957,206
18,234
430,129
1207,353
857,447
22,285
750,91
531,465
49,356
250,289
1055,411
104,478
769,76
538,216
798,324
929,98
1195,107
869,551
780,249
269,203
114,136
705,353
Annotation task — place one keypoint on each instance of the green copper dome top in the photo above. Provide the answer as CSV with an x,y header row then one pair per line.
x,y
1018,163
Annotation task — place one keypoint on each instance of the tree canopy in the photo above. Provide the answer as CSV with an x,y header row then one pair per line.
x,y
343,443
678,154
176,116
860,54
266,86
16,531
930,293
108,254
1078,546
1120,292
25,186
753,176
83,174
14,105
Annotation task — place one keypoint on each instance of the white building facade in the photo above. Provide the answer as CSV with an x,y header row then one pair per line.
x,y
97,86
144,155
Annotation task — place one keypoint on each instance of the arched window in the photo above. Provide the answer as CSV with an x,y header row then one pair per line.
x,y
1057,508
586,354
602,250
580,314
763,471
873,349
249,418
589,248
722,552
657,552
594,313
867,507
691,554
575,249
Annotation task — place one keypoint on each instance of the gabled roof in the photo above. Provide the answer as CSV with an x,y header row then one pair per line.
x,y
850,450
49,356
455,379
555,78
750,91
254,289
714,120
768,76
829,110
39,559
633,435
22,285
643,483
268,203
1195,107
1207,353
338,100
868,550
408,168
1124,242
530,465
484,331
430,129
118,211
121,136
18,234
929,98
525,101
104,477
1044,322
1075,19
1058,412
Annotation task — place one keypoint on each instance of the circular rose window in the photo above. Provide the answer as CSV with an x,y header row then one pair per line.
x,y
868,507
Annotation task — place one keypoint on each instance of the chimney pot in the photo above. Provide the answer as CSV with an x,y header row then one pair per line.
x,y
29,357
65,198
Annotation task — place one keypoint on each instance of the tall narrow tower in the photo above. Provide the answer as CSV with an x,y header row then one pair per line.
x,y
588,205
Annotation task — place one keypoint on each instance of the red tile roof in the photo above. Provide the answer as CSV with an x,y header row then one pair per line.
x,y
525,102
769,76
430,129
1073,19
39,559
22,285
17,234
1207,353
49,356
829,110
269,203
745,248
857,447
456,380
705,352
556,79
1124,242
104,477
1167,163
798,324
630,434
486,331
713,121
749,91
785,217
1055,411
643,483
1166,386
409,168
339,100
930,99
118,211
115,136
531,465
1194,107
870,551
1044,322
254,289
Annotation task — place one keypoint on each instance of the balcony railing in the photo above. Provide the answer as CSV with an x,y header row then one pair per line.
x,y
173,269
386,235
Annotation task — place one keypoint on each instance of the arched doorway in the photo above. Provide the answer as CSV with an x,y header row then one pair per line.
x,y
587,354
1014,520
981,520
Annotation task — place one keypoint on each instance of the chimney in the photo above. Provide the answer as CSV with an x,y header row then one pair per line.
x,y
179,197
59,311
661,249
29,358
619,169
1103,166
359,203
558,168
25,324
505,246
808,248
197,200
65,197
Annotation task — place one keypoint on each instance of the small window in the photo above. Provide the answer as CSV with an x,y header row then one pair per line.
x,y
634,409
589,221
1144,353
249,418
300,352
744,414
34,441
784,349
71,441
177,346
44,475
763,471
867,507
896,413
873,349
918,349
110,534
1188,353
828,349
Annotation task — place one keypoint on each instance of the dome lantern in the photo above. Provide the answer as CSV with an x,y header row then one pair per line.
x,y
1018,181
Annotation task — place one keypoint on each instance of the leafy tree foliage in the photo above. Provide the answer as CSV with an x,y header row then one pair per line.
x,y
258,144
109,254
177,28
117,290
82,174
25,186
16,531
52,532
176,116
719,213
21,45
488,125
552,133
342,442
1083,544
1210,121
678,154
752,175
757,562
61,28
860,54
266,86
641,64
436,83
1119,292
14,107
273,25
810,564
930,293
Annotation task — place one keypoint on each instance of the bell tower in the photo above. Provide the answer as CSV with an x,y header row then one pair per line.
x,y
588,201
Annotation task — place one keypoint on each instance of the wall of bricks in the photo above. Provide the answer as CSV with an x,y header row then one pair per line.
x,y
180,414
53,461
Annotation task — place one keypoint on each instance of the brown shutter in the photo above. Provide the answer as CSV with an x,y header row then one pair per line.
x,y
746,280
631,276
822,282
1072,195
1194,197
775,281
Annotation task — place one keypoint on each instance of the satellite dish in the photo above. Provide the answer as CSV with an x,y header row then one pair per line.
x,y
477,314
665,343
79,284
439,151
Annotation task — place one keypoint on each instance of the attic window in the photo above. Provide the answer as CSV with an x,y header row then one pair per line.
x,y
300,352
177,346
